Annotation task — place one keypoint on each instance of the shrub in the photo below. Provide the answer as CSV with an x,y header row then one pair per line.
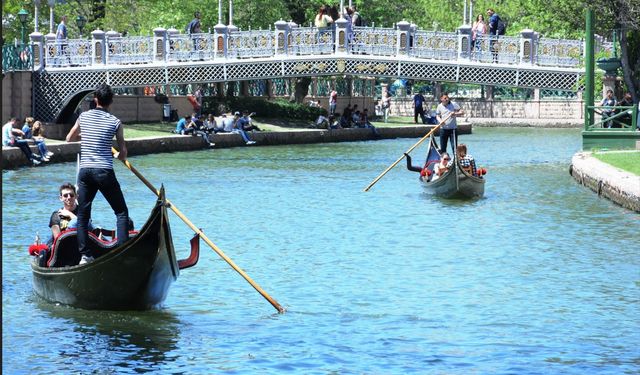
x,y
278,108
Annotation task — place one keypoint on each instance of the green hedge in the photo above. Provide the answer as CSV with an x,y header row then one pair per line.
x,y
278,108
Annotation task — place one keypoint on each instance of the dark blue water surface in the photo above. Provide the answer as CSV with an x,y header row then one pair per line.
x,y
540,276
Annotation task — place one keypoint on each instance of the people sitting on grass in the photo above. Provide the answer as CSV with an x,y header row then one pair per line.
x,y
10,137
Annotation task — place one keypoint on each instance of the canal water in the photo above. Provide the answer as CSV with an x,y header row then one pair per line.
x,y
540,276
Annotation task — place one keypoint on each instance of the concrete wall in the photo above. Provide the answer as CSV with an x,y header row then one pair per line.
x,y
16,95
522,109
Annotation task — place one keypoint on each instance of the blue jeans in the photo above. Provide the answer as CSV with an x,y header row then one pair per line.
x,y
23,145
42,147
90,181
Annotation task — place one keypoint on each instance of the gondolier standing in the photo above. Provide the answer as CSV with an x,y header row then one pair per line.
x,y
97,127
448,130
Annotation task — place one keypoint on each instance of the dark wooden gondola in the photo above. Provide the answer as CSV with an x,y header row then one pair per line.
x,y
134,276
455,183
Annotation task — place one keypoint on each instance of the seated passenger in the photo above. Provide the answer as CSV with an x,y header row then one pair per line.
x,y
626,118
608,111
65,217
227,123
466,161
333,123
442,167
322,122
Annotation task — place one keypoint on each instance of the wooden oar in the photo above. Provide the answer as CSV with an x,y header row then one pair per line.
x,y
406,152
215,248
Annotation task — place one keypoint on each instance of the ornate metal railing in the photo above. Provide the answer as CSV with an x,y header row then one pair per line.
x,y
129,50
68,52
247,44
183,47
310,41
17,57
374,41
559,52
287,39
435,45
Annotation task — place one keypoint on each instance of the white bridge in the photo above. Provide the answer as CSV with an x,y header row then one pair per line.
x,y
65,71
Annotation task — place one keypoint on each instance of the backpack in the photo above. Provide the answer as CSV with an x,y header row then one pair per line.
x,y
502,27
359,20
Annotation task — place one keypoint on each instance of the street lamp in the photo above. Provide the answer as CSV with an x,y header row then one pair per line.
x,y
22,16
80,22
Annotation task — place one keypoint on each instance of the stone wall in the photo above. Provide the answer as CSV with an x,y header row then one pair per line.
x,y
16,95
521,109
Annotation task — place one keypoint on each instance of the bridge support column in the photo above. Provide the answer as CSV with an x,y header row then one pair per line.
x,y
464,42
402,46
98,47
220,38
160,44
111,34
281,37
341,36
528,41
37,40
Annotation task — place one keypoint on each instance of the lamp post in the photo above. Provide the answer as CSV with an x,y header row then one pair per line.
x,y
36,4
22,16
80,22
51,3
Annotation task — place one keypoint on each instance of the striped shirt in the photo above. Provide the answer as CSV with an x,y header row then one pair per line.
x,y
97,129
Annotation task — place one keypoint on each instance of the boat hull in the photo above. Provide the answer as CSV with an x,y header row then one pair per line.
x,y
134,276
456,183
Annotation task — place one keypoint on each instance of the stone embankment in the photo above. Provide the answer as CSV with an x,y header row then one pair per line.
x,y
607,181
13,158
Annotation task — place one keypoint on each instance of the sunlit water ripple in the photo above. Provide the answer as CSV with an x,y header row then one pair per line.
x,y
540,276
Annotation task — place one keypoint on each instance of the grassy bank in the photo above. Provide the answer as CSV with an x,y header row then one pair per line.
x,y
626,160
159,129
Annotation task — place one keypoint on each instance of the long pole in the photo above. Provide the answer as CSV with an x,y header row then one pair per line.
x,y
406,152
215,248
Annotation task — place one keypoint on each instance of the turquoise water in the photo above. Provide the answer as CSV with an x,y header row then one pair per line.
x,y
539,277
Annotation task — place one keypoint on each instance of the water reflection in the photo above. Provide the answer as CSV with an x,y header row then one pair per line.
x,y
140,341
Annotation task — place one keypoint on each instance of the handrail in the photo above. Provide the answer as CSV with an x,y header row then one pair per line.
x,y
618,118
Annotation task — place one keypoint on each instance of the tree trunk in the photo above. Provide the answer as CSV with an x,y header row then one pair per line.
x,y
301,89
629,65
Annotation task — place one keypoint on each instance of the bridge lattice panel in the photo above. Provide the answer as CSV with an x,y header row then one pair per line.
x,y
137,77
489,76
428,72
194,74
264,70
547,79
52,91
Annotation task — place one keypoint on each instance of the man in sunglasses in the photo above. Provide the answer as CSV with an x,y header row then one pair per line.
x,y
65,217
97,127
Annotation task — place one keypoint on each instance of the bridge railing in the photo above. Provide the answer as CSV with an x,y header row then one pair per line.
x,y
17,57
374,41
129,50
290,39
309,41
559,52
435,45
68,52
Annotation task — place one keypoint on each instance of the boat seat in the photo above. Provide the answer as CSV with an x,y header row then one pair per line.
x,y
64,251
